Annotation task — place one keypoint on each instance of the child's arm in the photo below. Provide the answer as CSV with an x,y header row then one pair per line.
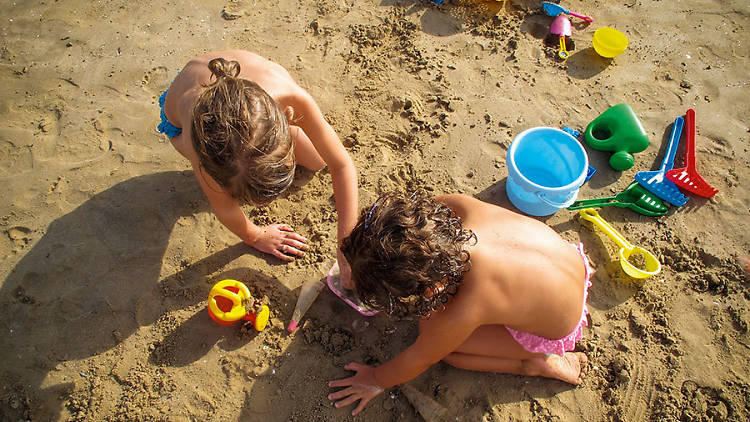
x,y
343,172
279,240
445,333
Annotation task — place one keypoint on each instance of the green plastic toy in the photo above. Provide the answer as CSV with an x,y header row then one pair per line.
x,y
618,130
634,197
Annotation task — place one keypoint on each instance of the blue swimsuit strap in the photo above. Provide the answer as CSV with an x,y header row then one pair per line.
x,y
166,127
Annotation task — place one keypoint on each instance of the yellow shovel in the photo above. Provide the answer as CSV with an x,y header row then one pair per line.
x,y
651,265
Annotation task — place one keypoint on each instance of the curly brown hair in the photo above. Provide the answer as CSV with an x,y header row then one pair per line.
x,y
241,136
407,254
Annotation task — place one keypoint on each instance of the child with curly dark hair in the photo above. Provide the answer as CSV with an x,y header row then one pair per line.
x,y
244,124
496,291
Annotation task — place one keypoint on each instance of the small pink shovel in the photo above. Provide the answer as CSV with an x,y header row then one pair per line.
x,y
562,28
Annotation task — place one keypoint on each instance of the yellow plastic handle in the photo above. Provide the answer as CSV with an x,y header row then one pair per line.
x,y
592,215
563,53
238,309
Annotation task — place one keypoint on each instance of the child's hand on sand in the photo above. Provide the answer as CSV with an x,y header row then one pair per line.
x,y
281,241
362,386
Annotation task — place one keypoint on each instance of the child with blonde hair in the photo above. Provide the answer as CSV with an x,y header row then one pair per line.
x,y
496,291
244,124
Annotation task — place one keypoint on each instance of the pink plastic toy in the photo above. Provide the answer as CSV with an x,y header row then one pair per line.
x,y
348,296
562,28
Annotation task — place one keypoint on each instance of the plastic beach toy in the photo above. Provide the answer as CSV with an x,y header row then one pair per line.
x,y
307,295
552,9
561,27
546,168
628,252
609,42
655,182
348,296
577,134
619,130
634,197
687,177
230,301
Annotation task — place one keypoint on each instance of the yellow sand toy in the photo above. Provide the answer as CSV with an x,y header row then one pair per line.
x,y
230,301
628,252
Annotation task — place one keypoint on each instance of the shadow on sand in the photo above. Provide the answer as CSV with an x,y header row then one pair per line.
x,y
94,278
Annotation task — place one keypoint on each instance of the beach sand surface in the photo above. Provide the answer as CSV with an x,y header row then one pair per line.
x,y
109,249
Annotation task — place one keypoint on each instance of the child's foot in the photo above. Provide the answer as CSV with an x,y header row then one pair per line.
x,y
569,368
744,263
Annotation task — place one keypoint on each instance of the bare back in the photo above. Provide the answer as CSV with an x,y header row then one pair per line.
x,y
189,84
523,274
316,145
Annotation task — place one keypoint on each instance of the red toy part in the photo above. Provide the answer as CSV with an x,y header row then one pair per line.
x,y
225,305
687,177
259,321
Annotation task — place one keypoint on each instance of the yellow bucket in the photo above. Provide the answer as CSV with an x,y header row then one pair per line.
x,y
609,42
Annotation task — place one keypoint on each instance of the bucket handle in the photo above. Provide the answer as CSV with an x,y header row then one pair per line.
x,y
565,204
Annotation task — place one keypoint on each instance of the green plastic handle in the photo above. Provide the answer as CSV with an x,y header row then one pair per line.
x,y
599,202
594,203
634,197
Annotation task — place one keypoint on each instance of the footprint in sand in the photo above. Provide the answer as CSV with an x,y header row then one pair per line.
x,y
20,237
235,9
155,80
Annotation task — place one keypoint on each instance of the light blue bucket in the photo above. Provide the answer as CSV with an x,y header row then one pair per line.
x,y
546,167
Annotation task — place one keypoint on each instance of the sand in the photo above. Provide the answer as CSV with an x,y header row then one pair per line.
x,y
109,248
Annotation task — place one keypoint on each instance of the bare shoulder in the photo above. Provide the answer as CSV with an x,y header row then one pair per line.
x,y
252,66
184,145
460,203
211,188
453,198
242,56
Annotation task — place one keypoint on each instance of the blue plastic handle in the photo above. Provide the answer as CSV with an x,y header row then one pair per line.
x,y
674,140
565,204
